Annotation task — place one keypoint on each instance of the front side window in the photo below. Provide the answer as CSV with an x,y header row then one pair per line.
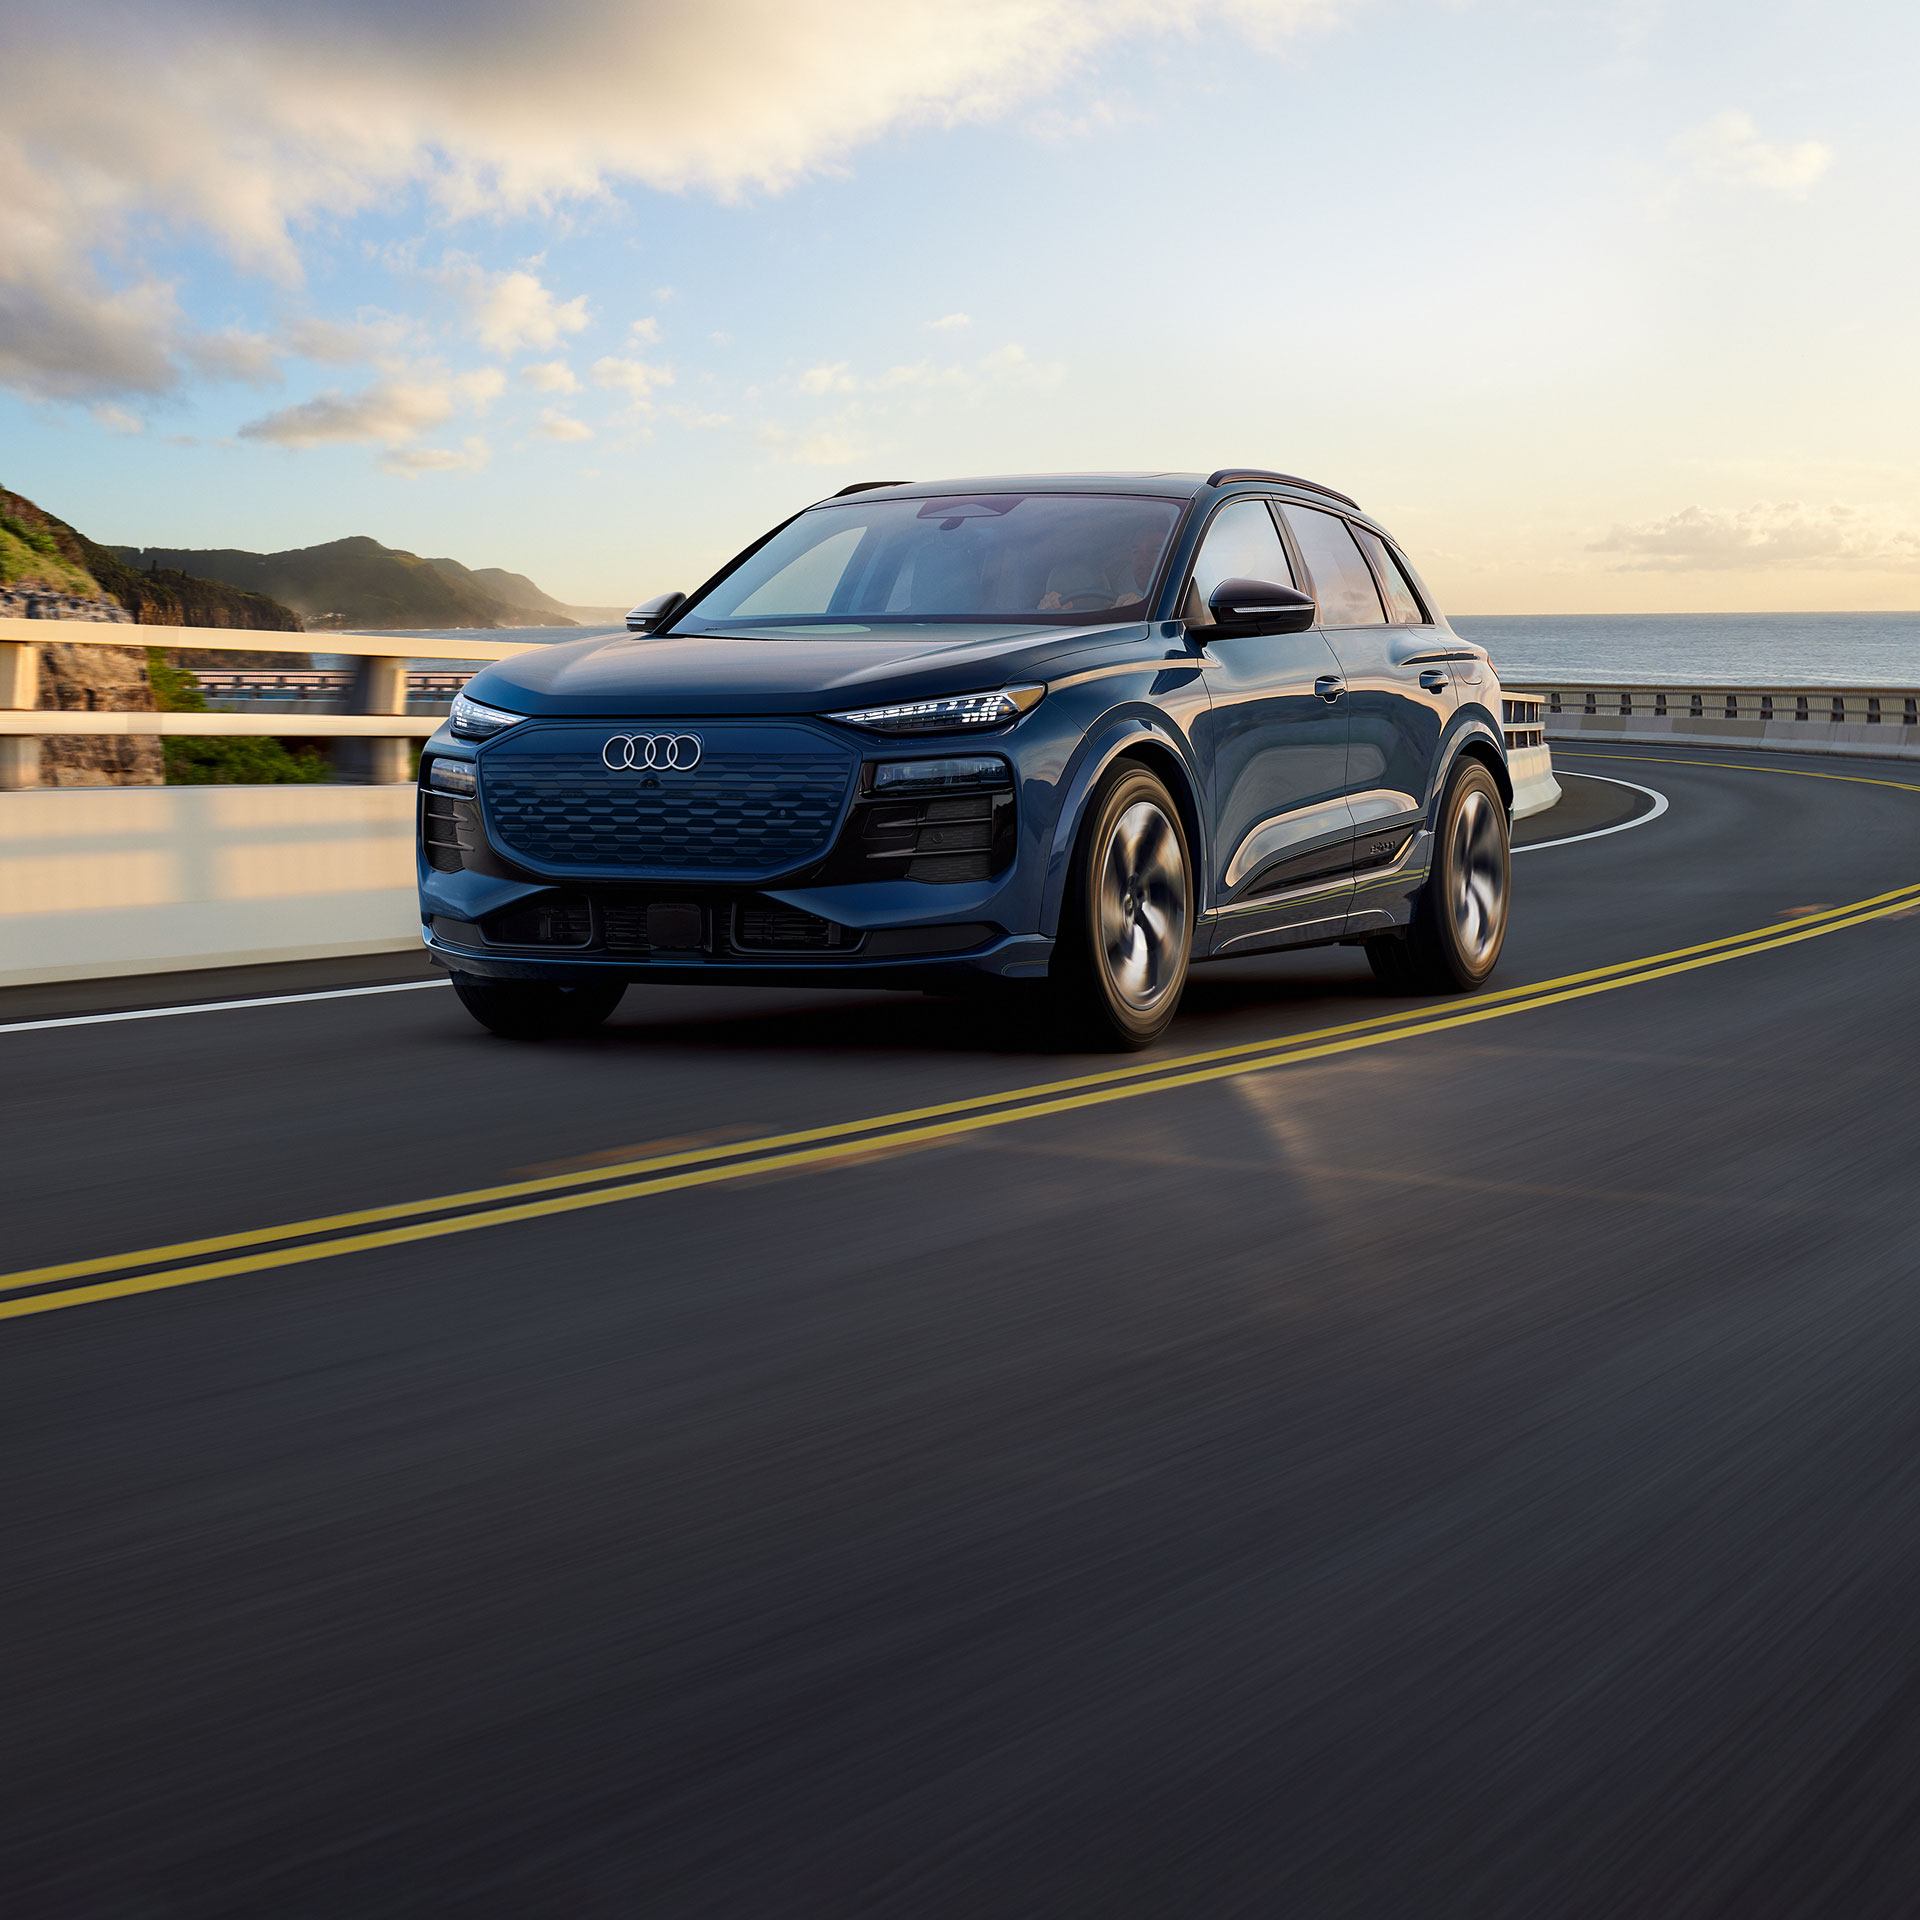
x,y
1403,604
1342,580
1241,544
855,566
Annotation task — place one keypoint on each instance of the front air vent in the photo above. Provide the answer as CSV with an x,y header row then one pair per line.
x,y
765,926
555,920
449,829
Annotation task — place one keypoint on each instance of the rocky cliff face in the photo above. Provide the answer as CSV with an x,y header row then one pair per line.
x,y
48,571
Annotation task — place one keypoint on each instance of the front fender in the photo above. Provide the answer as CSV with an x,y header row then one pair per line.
x,y
1119,734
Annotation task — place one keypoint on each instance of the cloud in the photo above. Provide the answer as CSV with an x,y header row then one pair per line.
x,y
343,343
1008,366
828,379
250,123
1768,535
388,411
118,419
635,378
411,462
644,333
507,312
558,425
550,376
694,417
949,323
1729,149
825,447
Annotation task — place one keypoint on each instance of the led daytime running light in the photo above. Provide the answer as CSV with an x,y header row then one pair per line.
x,y
957,713
469,720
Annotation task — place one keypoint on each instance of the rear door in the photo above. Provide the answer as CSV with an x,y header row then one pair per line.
x,y
1273,745
1397,690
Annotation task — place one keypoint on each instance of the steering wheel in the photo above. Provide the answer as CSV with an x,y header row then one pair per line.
x,y
1090,600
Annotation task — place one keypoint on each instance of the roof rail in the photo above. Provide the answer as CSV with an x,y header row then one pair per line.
x,y
1226,474
867,486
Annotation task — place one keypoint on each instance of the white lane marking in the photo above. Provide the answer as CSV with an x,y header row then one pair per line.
x,y
216,1006
1600,833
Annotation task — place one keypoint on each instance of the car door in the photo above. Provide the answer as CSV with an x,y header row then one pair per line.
x,y
1273,747
1398,695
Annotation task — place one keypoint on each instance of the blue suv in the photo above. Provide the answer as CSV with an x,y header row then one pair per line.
x,y
1076,731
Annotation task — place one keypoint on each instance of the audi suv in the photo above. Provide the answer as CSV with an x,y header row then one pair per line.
x,y
1073,734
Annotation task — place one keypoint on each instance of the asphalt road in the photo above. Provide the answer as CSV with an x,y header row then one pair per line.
x,y
1445,1466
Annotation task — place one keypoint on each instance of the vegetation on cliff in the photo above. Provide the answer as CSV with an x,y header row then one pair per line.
x,y
222,760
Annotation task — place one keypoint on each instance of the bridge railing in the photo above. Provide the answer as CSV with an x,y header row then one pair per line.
x,y
1880,721
375,711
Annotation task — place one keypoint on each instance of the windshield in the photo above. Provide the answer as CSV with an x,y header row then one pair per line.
x,y
1056,558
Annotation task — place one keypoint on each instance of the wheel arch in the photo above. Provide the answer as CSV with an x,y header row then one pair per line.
x,y
1138,741
1473,738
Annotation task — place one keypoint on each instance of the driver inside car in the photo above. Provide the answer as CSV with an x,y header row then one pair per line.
x,y
1128,577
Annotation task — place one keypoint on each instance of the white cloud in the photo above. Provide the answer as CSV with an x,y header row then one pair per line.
x,y
694,417
342,343
118,419
635,378
507,312
550,376
469,457
950,322
828,379
389,411
1729,148
644,333
555,424
248,122
825,447
1775,535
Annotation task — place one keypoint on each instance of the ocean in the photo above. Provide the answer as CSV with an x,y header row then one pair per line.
x,y
1703,649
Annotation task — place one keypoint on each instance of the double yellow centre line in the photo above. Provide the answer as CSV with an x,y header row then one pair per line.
x,y
187,1262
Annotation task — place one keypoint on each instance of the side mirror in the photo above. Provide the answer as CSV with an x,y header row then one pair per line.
x,y
1260,606
651,615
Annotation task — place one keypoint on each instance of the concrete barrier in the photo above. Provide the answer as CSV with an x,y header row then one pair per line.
x,y
99,881
1881,723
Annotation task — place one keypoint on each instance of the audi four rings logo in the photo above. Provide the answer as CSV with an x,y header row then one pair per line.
x,y
675,752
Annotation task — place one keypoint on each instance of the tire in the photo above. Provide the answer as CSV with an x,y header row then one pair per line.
x,y
537,1009
1460,920
1126,923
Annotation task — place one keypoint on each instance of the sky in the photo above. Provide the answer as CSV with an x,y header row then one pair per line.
x,y
1602,307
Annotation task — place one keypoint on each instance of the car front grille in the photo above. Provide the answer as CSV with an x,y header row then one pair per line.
x,y
740,811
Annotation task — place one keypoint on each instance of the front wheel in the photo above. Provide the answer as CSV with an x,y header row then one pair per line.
x,y
1460,920
1126,924
537,1009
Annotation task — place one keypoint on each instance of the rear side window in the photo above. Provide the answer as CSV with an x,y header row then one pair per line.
x,y
1403,604
1342,580
1242,544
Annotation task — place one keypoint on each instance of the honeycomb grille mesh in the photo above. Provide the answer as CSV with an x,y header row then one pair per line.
x,y
737,812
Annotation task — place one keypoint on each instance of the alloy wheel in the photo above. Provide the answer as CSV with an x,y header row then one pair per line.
x,y
1142,906
1477,879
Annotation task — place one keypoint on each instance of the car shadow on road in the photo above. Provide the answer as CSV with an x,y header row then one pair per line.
x,y
1239,1000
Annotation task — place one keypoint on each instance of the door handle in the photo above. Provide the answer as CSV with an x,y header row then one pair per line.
x,y
1433,680
1329,687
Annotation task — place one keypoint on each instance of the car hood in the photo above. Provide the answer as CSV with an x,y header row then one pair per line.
x,y
765,673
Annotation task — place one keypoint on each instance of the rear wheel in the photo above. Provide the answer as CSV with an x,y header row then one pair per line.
x,y
1126,925
537,1009
1460,921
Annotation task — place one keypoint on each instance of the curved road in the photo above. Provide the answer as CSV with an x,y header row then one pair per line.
x,y
1367,1457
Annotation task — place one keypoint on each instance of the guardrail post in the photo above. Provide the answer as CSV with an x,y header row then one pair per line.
x,y
19,688
380,686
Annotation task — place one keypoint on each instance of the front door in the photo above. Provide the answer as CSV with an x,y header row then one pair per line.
x,y
1273,744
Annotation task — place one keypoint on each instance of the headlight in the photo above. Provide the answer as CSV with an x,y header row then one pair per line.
x,y
452,776
959,713
469,720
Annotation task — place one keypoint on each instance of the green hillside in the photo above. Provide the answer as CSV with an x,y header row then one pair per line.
x,y
359,583
39,550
